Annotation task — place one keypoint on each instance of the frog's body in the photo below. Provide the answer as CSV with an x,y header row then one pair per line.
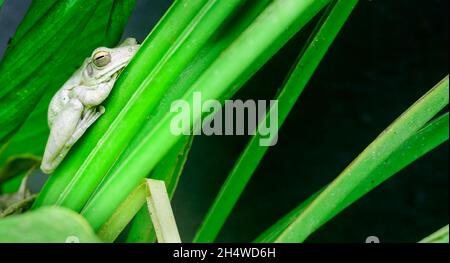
x,y
77,104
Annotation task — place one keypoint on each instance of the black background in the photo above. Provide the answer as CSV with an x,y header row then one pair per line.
x,y
387,56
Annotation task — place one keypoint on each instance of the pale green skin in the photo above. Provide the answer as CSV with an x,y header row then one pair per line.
x,y
76,106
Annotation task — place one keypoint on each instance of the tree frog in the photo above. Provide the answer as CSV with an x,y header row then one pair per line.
x,y
76,105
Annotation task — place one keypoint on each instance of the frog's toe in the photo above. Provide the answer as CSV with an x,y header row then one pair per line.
x,y
47,168
128,42
101,109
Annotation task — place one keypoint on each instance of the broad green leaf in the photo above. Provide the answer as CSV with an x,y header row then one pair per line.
x,y
12,185
35,12
425,140
326,31
440,236
103,29
30,64
27,145
118,18
39,227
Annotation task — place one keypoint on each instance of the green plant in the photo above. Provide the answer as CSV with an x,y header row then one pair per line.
x,y
194,48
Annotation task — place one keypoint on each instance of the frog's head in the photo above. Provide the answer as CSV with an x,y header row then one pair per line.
x,y
106,63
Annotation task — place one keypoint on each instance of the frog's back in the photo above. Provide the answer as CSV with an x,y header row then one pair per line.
x,y
61,98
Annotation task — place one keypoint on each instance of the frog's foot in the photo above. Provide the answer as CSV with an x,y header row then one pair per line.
x,y
128,42
90,116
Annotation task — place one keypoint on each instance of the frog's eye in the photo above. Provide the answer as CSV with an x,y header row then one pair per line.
x,y
101,58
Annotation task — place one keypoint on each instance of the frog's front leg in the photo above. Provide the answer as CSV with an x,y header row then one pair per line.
x,y
91,97
63,127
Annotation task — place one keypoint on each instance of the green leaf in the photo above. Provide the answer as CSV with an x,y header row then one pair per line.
x,y
39,227
35,12
17,201
252,49
271,234
29,65
334,197
440,236
141,230
151,52
18,207
12,185
161,212
118,18
315,49
111,229
419,144
163,55
169,169
27,146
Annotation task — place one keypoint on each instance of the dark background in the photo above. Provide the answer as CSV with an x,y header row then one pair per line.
x,y
388,55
